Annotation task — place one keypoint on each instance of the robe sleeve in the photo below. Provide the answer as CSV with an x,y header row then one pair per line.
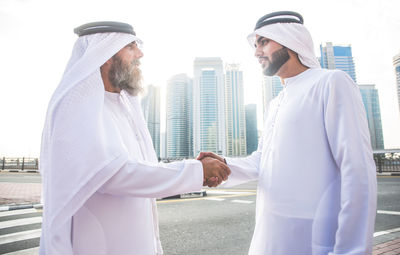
x,y
348,135
244,169
155,180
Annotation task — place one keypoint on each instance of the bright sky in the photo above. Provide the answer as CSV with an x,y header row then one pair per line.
x,y
37,36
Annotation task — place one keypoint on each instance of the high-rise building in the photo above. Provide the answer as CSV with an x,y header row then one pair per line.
x,y
208,106
396,64
151,111
179,117
371,103
234,111
338,57
163,146
251,128
271,86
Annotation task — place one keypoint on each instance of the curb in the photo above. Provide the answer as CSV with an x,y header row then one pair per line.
x,y
202,193
388,174
19,207
19,171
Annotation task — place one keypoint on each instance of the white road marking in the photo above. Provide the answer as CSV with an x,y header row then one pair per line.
x,y
385,232
18,212
227,192
19,236
388,212
20,222
32,251
214,198
242,201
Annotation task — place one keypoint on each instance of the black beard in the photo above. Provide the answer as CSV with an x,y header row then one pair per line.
x,y
278,59
125,77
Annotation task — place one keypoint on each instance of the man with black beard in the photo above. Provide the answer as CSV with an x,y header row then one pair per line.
x,y
100,171
316,174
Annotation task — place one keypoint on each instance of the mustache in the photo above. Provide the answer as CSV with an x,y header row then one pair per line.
x,y
136,62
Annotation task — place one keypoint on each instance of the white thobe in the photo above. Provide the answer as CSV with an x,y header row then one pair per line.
x,y
121,217
315,170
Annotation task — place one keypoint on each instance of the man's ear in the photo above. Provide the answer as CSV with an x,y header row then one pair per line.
x,y
106,66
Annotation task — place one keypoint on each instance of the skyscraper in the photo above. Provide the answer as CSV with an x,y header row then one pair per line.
x,y
396,64
371,103
234,112
271,86
163,145
208,106
338,57
151,111
251,128
179,117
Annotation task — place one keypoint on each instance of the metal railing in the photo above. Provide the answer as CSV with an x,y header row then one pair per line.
x,y
19,164
385,162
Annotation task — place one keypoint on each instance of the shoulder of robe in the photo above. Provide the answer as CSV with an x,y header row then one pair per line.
x,y
77,97
337,80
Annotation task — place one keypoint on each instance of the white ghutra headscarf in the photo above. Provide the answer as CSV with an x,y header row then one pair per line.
x,y
80,147
293,36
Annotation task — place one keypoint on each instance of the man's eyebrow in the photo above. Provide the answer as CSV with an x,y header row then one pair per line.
x,y
132,43
259,39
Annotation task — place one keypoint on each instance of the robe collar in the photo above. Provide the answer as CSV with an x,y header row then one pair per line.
x,y
291,80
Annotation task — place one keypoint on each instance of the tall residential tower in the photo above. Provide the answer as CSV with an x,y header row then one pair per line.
x,y
179,117
396,64
371,103
151,111
271,86
338,57
251,128
235,112
208,106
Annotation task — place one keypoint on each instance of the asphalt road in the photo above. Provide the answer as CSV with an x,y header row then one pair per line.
x,y
20,177
220,223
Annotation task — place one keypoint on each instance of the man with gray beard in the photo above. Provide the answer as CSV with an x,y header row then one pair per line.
x,y
99,168
126,77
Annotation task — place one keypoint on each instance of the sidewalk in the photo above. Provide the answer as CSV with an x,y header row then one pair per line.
x,y
388,248
19,193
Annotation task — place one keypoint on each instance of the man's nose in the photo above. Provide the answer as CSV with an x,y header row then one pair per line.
x,y
258,52
141,53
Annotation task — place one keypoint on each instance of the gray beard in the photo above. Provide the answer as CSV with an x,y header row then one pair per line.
x,y
126,77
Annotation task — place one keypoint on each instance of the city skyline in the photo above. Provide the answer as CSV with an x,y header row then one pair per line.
x,y
31,69
208,89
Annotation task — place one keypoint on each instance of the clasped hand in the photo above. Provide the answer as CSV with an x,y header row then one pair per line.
x,y
214,168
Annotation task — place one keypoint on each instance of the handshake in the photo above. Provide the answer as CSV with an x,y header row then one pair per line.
x,y
215,169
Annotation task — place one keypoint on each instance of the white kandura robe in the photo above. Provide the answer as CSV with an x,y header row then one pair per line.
x,y
121,217
315,170
98,192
